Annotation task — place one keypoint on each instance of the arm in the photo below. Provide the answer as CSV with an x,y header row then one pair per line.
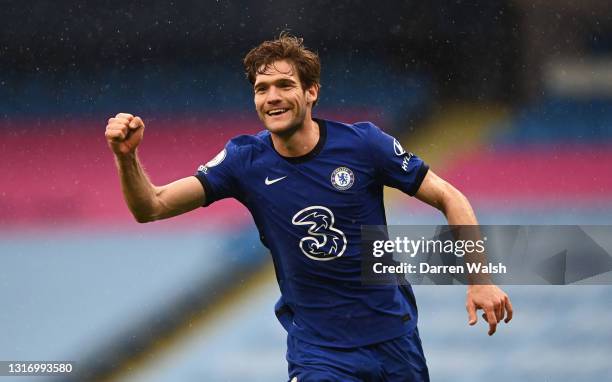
x,y
146,201
458,211
436,192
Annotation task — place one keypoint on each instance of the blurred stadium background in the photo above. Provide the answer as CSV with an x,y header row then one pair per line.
x,y
509,100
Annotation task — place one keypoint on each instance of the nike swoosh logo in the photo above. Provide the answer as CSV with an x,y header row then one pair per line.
x,y
272,181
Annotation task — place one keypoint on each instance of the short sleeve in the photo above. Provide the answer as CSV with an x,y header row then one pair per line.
x,y
396,167
219,175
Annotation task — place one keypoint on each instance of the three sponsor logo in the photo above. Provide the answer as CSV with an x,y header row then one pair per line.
x,y
323,241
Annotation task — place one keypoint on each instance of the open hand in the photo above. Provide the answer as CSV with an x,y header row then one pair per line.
x,y
493,301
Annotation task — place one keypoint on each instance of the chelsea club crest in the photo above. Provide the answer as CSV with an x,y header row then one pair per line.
x,y
342,178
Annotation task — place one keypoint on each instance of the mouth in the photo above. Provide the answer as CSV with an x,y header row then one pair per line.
x,y
276,112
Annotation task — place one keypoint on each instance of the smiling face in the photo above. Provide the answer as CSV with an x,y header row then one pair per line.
x,y
280,100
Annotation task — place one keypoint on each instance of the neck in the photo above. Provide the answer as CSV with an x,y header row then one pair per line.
x,y
298,142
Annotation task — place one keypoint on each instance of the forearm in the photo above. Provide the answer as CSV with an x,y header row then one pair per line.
x,y
457,209
138,191
454,205
461,217
482,293
440,194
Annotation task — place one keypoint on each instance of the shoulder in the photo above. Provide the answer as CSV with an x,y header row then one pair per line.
x,y
358,134
358,129
361,129
248,142
365,126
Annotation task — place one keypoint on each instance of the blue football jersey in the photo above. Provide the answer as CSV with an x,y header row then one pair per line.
x,y
309,211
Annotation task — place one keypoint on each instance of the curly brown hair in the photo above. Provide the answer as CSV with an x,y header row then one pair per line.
x,y
285,47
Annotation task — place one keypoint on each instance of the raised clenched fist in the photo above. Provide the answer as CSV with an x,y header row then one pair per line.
x,y
124,133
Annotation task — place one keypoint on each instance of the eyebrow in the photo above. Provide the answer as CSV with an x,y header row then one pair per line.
x,y
280,81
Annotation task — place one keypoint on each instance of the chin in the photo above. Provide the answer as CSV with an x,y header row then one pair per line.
x,y
281,127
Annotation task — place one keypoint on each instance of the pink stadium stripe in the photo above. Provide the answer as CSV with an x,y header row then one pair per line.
x,y
60,172
538,172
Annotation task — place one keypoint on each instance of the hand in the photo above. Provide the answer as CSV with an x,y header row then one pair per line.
x,y
124,133
495,303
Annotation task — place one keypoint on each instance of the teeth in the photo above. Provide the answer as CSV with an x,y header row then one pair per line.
x,y
276,111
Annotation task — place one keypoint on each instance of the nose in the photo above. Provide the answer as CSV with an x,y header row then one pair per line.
x,y
273,95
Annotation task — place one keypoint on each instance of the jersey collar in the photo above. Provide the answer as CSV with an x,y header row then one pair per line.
x,y
312,153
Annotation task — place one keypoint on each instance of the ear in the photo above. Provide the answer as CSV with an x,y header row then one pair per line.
x,y
312,93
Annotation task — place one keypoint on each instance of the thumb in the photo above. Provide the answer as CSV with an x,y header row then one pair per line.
x,y
471,310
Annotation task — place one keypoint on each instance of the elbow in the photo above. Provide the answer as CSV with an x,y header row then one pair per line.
x,y
146,213
142,218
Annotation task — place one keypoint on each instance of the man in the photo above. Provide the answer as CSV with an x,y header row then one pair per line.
x,y
310,184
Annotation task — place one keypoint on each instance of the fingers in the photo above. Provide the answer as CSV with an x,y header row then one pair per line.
x,y
124,116
495,312
493,301
120,119
471,310
136,123
499,313
491,319
115,134
499,310
116,130
508,306
118,126
504,309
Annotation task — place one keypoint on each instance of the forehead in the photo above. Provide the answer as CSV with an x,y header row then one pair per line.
x,y
276,70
